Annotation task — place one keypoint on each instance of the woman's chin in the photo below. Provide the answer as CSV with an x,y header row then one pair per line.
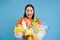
x,y
29,17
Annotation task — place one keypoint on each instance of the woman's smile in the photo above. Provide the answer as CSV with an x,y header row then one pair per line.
x,y
29,12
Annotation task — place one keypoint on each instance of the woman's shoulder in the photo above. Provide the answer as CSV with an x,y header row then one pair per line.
x,y
21,18
36,18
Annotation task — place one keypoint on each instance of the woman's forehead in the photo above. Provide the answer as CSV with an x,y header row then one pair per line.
x,y
29,8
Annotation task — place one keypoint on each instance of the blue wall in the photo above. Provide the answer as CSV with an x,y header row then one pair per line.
x,y
47,10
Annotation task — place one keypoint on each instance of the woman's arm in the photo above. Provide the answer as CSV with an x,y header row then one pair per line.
x,y
38,21
19,21
17,29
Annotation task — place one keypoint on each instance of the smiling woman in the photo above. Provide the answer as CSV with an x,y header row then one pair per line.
x,y
29,27
48,11
29,11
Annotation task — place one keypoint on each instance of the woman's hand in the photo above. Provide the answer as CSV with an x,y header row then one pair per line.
x,y
41,33
19,34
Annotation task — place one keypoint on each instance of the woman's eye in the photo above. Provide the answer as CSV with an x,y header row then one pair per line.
x,y
27,10
31,10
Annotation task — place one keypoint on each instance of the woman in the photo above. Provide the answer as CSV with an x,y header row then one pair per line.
x,y
30,21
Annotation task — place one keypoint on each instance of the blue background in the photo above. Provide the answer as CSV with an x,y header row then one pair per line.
x,y
48,11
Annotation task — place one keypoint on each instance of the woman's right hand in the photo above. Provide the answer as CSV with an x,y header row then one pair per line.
x,y
18,34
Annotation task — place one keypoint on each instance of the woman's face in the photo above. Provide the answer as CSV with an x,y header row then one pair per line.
x,y
29,12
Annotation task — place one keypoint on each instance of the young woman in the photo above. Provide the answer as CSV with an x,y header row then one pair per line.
x,y
31,22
